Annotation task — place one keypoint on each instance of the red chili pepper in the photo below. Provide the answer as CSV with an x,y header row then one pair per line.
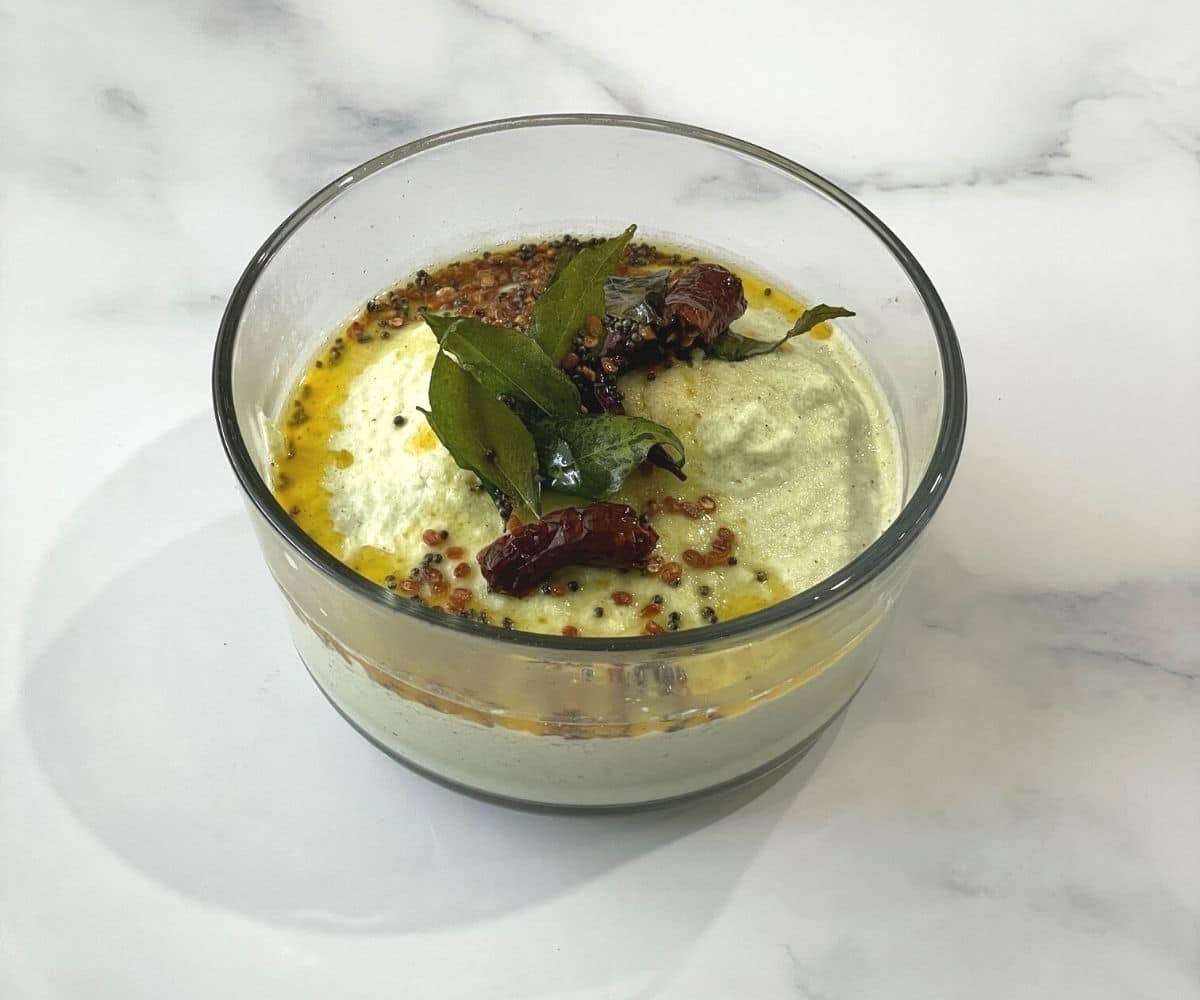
x,y
602,534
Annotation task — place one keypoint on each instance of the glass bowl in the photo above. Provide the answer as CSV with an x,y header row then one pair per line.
x,y
586,723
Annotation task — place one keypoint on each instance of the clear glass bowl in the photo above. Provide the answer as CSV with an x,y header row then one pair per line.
x,y
586,723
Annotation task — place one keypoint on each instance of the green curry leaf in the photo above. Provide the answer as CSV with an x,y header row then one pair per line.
x,y
732,346
576,293
637,296
482,434
507,363
591,456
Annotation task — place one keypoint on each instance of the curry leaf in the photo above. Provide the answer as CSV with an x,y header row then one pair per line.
x,y
591,456
507,363
576,293
482,434
637,296
565,256
732,346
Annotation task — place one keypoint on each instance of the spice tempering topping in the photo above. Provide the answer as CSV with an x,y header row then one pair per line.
x,y
524,393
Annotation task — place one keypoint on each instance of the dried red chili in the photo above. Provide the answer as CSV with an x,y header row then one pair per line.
x,y
601,534
701,303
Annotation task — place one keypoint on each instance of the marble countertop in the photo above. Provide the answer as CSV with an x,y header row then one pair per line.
x,y
1012,806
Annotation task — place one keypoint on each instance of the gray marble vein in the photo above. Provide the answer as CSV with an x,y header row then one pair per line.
x,y
572,58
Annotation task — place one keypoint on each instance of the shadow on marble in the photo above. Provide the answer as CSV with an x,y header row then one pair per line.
x,y
172,715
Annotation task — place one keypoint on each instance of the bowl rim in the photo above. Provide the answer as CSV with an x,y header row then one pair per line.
x,y
872,561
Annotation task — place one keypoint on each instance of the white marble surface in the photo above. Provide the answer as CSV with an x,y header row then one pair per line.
x,y
1010,809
